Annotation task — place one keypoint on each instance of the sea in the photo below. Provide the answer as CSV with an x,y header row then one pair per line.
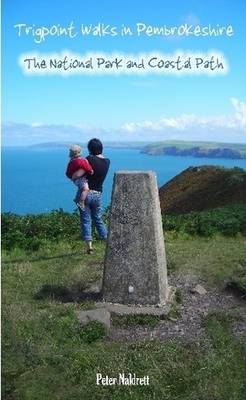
x,y
34,181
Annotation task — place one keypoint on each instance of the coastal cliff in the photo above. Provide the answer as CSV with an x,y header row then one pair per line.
x,y
197,149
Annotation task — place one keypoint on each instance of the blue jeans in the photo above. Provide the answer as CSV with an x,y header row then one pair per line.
x,y
92,213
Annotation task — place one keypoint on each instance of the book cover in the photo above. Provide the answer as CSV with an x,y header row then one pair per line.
x,y
123,123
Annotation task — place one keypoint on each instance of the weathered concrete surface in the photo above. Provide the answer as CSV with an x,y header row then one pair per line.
x,y
122,309
135,263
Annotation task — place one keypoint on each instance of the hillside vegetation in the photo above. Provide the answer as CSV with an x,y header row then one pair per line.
x,y
202,188
33,232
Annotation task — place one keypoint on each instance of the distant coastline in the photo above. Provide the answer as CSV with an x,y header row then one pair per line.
x,y
196,149
175,148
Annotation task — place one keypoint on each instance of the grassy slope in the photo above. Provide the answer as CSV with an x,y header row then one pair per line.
x,y
45,354
202,188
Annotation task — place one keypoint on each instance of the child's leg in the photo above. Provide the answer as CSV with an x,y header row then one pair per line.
x,y
79,183
84,191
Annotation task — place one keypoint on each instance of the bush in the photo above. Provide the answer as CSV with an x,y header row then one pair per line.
x,y
31,231
229,220
230,227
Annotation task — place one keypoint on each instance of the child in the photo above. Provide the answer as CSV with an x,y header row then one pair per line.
x,y
81,166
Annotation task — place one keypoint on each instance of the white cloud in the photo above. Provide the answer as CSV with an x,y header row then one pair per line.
x,y
13,133
191,126
240,109
223,128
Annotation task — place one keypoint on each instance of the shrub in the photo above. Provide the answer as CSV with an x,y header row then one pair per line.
x,y
230,227
31,231
229,220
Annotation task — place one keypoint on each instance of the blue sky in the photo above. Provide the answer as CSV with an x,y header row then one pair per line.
x,y
149,107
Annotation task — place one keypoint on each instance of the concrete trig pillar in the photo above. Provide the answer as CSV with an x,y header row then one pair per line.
x,y
135,270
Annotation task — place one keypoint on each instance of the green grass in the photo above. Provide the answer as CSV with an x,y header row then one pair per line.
x,y
47,355
216,259
132,320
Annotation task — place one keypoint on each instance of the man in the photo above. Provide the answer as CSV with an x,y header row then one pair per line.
x,y
92,211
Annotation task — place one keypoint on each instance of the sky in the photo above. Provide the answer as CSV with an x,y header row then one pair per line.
x,y
122,107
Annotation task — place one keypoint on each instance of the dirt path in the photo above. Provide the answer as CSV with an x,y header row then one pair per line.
x,y
194,307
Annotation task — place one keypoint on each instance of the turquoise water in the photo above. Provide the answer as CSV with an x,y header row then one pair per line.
x,y
33,180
